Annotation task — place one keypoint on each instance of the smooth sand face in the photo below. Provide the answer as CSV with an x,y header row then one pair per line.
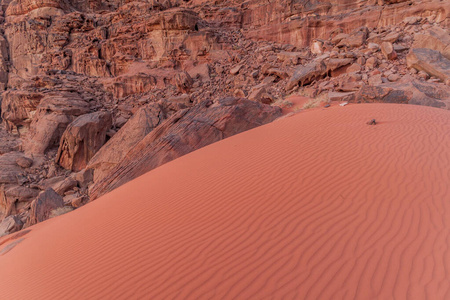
x,y
315,206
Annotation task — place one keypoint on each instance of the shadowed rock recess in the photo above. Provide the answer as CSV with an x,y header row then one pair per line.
x,y
96,93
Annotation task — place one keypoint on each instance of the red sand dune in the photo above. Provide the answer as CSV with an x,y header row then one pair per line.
x,y
314,206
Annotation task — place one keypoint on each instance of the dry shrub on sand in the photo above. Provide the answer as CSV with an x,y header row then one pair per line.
x,y
60,211
322,98
283,103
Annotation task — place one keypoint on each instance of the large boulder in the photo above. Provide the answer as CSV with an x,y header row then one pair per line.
x,y
64,185
24,162
259,93
10,225
428,94
184,132
306,74
434,38
316,69
42,207
17,199
407,90
82,139
142,123
21,193
388,51
430,61
385,94
53,114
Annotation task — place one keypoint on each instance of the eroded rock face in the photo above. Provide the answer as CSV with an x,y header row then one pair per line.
x,y
18,108
268,20
140,125
22,7
82,139
184,132
123,86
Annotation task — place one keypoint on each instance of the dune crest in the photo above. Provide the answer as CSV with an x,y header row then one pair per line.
x,y
287,210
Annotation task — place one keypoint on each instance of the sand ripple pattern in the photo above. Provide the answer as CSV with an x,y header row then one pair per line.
x,y
315,206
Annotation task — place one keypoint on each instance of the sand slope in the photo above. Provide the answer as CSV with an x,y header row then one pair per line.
x,y
315,206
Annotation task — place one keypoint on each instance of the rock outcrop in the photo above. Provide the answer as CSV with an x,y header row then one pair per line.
x,y
82,139
316,69
434,38
430,61
382,94
123,86
144,121
184,132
